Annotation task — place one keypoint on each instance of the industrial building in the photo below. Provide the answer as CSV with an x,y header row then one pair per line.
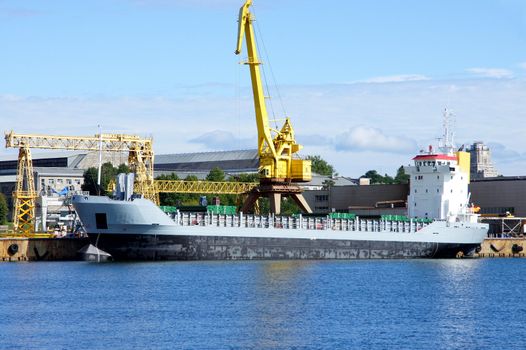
x,y
199,164
500,195
481,164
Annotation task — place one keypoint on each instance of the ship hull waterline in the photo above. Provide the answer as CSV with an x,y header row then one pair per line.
x,y
189,247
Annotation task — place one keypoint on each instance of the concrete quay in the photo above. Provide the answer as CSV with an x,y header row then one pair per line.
x,y
503,248
40,249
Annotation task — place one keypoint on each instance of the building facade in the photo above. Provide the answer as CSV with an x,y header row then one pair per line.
x,y
481,164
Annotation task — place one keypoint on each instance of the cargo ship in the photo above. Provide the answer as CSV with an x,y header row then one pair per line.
x,y
440,224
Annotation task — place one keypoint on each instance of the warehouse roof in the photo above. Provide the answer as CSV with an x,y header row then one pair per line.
x,y
243,160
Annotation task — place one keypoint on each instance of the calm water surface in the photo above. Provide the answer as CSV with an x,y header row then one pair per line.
x,y
423,304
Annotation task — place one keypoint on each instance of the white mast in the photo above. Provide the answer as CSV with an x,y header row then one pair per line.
x,y
100,157
447,145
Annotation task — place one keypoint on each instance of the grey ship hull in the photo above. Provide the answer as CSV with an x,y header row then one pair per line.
x,y
139,230
190,247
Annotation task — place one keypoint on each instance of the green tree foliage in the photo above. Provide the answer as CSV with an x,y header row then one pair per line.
x,y
289,207
320,166
252,177
189,198
400,178
168,198
108,173
90,181
374,177
3,209
216,174
180,199
327,184
123,169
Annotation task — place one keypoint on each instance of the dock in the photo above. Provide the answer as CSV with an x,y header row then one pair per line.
x,y
40,248
503,248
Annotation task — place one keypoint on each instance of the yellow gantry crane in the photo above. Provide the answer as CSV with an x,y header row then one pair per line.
x,y
278,166
203,187
140,161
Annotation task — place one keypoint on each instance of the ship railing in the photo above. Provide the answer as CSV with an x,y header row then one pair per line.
x,y
297,222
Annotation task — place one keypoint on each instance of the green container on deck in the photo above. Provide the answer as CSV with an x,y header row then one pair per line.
x,y
221,209
347,216
168,208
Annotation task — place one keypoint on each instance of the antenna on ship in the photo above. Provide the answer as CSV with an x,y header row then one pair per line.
x,y
447,145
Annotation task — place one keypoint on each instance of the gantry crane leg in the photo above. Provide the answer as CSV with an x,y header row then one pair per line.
x,y
274,192
24,196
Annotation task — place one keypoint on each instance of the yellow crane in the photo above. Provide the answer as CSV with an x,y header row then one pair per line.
x,y
278,166
140,160
203,187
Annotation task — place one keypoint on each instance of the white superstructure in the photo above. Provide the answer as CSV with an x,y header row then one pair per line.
x,y
438,183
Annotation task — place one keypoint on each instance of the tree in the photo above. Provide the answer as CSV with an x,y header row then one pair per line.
x,y
3,209
374,176
90,181
320,166
327,184
289,207
401,177
216,174
123,169
189,198
388,180
248,177
169,198
108,173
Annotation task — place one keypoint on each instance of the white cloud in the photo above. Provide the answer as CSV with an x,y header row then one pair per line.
x,y
497,73
522,65
364,138
323,116
395,79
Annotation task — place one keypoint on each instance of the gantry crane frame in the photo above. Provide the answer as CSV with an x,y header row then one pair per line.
x,y
140,161
203,187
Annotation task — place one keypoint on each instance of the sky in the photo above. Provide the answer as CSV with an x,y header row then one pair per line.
x,y
365,83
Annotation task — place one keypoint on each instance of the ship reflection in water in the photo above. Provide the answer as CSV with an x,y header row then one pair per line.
x,y
279,286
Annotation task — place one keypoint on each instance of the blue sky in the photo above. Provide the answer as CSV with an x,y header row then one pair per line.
x,y
363,81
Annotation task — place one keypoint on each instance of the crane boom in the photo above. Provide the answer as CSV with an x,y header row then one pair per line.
x,y
246,30
276,148
275,153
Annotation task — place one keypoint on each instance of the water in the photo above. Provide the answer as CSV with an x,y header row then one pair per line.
x,y
422,304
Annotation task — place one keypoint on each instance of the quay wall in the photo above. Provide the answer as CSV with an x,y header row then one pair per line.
x,y
40,249
503,248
